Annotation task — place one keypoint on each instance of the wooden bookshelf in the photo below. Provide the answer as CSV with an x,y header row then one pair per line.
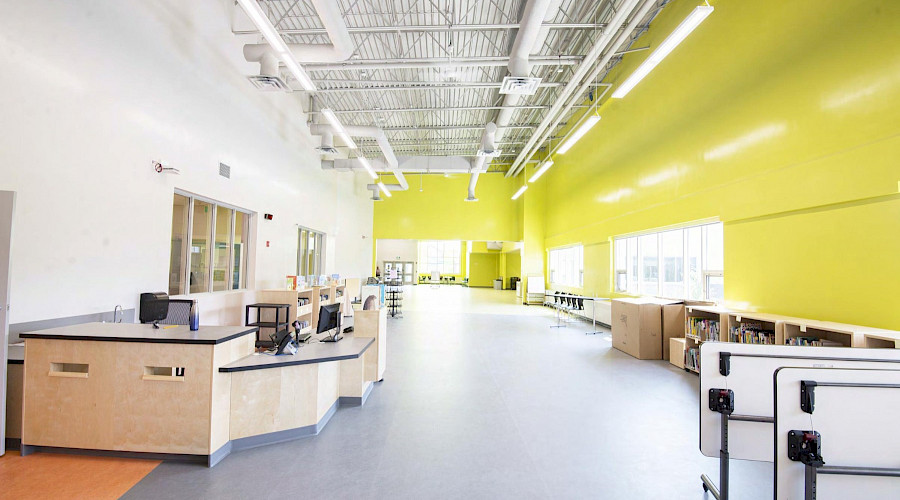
x,y
300,302
846,334
351,293
339,296
755,328
676,352
884,339
702,323
832,334
772,329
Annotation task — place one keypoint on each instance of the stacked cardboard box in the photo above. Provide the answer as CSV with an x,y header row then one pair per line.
x,y
642,325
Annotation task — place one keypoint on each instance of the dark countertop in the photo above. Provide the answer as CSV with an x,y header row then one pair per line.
x,y
349,347
15,354
136,332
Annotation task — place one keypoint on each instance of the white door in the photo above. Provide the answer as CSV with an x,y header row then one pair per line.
x,y
7,204
408,273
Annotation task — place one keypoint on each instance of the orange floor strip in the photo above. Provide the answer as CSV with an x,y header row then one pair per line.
x,y
54,476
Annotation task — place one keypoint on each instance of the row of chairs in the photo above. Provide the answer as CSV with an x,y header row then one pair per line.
x,y
564,302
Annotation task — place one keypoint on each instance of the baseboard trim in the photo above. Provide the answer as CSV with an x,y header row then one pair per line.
x,y
357,401
28,449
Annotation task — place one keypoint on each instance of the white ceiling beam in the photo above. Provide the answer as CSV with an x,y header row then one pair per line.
x,y
418,63
428,27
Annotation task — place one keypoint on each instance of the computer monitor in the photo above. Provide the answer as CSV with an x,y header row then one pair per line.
x,y
154,307
330,319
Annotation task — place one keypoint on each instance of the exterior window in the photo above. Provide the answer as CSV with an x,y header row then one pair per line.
x,y
686,263
200,227
567,266
222,249
310,252
442,257
178,256
208,238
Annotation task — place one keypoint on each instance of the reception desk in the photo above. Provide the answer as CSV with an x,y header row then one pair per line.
x,y
132,390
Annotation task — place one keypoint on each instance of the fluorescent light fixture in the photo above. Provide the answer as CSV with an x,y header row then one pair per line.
x,y
681,32
583,129
259,18
519,192
336,125
537,175
368,166
384,189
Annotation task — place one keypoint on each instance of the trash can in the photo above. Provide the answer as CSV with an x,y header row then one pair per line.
x,y
498,284
512,282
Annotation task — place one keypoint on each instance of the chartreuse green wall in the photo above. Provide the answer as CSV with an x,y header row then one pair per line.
x,y
484,268
439,211
780,118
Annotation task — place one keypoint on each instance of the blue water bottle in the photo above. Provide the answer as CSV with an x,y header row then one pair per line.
x,y
195,316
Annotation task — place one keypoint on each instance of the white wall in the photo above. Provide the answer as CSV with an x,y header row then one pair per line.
x,y
91,92
391,250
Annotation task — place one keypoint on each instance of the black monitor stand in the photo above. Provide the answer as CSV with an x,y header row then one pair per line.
x,y
337,333
337,336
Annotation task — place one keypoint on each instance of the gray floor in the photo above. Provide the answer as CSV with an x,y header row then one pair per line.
x,y
482,399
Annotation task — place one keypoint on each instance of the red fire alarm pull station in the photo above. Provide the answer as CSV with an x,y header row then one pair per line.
x,y
267,216
267,243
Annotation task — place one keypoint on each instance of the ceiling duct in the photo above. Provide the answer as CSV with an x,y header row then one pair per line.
x,y
530,36
340,49
584,74
269,78
373,133
327,146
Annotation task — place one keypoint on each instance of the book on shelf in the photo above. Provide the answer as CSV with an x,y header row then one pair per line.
x,y
813,341
703,328
751,333
692,358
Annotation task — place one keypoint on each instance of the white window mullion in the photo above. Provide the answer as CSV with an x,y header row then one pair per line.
x,y
188,238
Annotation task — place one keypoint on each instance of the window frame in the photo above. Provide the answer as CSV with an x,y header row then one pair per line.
x,y
184,285
565,270
303,252
434,255
705,273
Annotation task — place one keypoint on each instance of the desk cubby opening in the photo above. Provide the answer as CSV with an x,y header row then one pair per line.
x,y
71,370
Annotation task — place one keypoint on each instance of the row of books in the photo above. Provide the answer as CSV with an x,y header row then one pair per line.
x,y
692,358
813,341
751,333
302,301
704,329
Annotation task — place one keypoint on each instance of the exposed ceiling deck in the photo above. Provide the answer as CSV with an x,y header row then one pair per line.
x,y
428,72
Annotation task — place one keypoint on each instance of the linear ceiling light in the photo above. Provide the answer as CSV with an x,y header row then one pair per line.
x,y
259,18
583,129
681,32
368,166
384,189
546,166
519,192
336,124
